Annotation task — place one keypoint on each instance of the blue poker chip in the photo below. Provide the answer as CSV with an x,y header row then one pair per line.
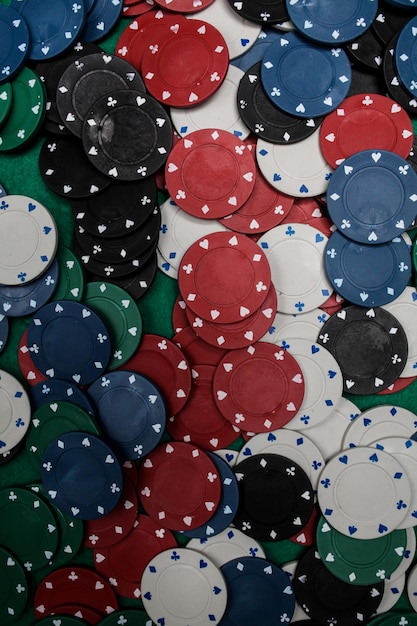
x,y
365,274
20,300
228,505
372,196
101,17
406,56
69,341
256,52
14,37
3,191
53,26
258,592
4,331
131,412
332,22
81,475
56,390
303,78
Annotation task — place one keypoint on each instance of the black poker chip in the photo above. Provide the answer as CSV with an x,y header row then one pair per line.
x,y
120,209
394,86
370,346
66,170
275,497
263,11
365,81
266,120
137,283
412,157
389,21
329,600
127,135
89,78
367,50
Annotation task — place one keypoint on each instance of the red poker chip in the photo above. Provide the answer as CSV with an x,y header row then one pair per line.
x,y
307,535
125,39
179,316
210,173
130,471
77,586
31,373
365,122
239,334
200,421
149,28
224,277
165,364
114,526
89,616
184,67
125,562
398,385
197,351
302,210
259,388
159,176
333,304
179,486
185,6
138,8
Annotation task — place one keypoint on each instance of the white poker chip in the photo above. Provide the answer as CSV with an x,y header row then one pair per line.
x,y
412,587
380,422
165,266
240,34
15,412
303,326
297,169
295,255
219,111
183,586
230,456
393,588
289,569
287,443
28,239
404,308
230,544
364,493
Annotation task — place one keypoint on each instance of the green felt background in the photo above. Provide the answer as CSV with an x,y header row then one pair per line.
x,y
19,174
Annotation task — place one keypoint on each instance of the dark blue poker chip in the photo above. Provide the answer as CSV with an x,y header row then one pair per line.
x,y
3,192
56,390
69,341
4,330
406,56
303,78
101,17
14,37
81,475
227,508
256,52
258,592
131,412
364,274
20,300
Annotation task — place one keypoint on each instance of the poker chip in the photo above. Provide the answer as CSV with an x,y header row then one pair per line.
x,y
403,309
377,423
138,282
209,173
110,134
275,497
129,617
394,86
161,486
267,35
66,620
31,373
15,32
366,50
364,122
356,561
53,29
388,22
100,19
365,81
389,269
295,255
324,597
166,585
71,278
367,509
6,99
55,389
195,45
303,326
289,570
77,586
412,587
196,350
398,385
70,491
28,528
261,11
297,169
4,331
14,587
332,26
21,300
325,76
405,55
131,412
307,535
15,414
184,6
227,545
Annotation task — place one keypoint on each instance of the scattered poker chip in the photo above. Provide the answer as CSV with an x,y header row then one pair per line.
x,y
70,491
365,81
53,29
325,598
307,535
364,122
368,508
334,25
266,36
398,385
325,76
21,300
15,32
100,19
4,331
138,8
261,11
265,119
366,50
131,412
14,587
74,329
405,55
6,99
214,295
28,528
55,389
295,255
184,6
81,180
210,173
195,45
389,22
393,84
128,617
71,277
65,620
15,414
136,283
111,129
377,423
275,497
161,485
412,587
302,325
77,586
403,308
227,545
196,350
125,561
393,588
299,615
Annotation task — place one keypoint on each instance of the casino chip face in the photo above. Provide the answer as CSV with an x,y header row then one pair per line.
x,y
15,412
14,33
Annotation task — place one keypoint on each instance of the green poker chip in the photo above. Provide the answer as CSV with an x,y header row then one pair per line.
x,y
129,617
71,276
13,588
6,99
360,561
397,619
120,314
28,527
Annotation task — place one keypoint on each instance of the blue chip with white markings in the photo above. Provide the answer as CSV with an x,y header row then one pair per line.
x,y
56,389
20,300
256,52
4,331
101,17
406,56
14,37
